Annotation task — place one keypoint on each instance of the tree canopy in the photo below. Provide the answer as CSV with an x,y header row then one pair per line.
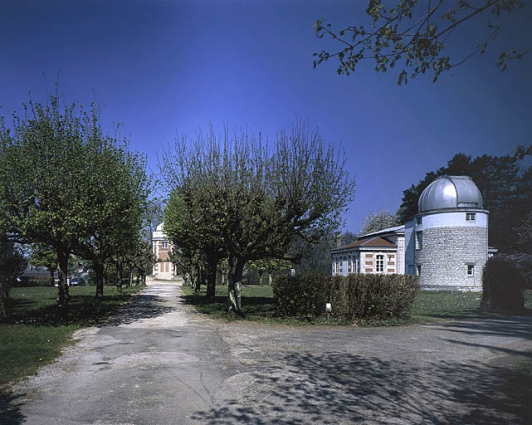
x,y
257,197
380,220
413,35
66,185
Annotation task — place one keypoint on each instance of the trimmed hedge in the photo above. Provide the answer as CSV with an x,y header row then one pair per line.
x,y
502,287
357,296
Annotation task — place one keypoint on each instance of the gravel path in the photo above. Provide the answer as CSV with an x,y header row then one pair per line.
x,y
158,362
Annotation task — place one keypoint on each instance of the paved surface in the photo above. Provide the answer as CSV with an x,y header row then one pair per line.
x,y
158,362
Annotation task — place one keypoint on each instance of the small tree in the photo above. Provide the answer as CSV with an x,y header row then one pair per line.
x,y
196,237
380,220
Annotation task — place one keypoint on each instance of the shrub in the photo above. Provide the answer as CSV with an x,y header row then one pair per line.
x,y
524,263
502,287
302,295
364,296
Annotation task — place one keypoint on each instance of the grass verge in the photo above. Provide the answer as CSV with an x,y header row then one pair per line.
x,y
32,335
258,306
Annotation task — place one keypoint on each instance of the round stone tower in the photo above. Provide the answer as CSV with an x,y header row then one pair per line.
x,y
450,235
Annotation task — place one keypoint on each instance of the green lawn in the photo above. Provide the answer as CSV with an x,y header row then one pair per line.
x,y
32,335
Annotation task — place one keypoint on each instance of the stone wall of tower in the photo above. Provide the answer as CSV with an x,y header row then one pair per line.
x,y
447,254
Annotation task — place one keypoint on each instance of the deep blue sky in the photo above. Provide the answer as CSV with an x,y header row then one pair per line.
x,y
162,67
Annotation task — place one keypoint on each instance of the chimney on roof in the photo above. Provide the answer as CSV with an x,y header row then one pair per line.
x,y
339,240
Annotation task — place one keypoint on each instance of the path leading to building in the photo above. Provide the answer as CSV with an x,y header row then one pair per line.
x,y
158,362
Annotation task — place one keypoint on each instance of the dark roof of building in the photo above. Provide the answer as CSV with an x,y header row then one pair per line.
x,y
398,230
374,242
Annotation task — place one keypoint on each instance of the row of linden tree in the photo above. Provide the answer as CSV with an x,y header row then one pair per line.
x,y
243,198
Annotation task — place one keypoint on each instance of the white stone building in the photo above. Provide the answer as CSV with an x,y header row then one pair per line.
x,y
446,243
163,268
380,252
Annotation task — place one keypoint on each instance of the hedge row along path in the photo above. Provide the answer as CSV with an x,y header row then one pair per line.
x,y
159,362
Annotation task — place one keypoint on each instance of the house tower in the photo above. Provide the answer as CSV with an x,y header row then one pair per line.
x,y
447,241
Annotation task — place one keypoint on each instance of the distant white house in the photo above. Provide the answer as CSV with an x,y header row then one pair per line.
x,y
163,268
446,243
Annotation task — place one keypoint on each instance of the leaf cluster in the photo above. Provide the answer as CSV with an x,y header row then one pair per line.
x,y
415,34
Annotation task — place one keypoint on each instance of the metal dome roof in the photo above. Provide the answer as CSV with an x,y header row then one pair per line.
x,y
447,192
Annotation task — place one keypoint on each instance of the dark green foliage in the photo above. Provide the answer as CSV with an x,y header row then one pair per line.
x,y
364,296
524,263
312,257
502,287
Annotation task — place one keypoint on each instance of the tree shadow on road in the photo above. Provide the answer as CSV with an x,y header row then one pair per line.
x,y
346,388
140,307
514,326
10,408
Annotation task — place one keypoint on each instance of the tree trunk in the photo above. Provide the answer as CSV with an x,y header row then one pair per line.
x,y
62,288
270,279
98,268
4,294
198,279
52,277
130,284
211,279
234,287
119,276
260,278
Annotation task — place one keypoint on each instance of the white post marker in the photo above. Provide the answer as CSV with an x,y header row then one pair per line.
x,y
328,309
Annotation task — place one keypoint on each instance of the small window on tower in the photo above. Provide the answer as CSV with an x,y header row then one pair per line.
x,y
164,244
419,240
471,270
470,216
419,221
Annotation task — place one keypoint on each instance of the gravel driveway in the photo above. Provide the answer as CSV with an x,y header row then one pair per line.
x,y
159,362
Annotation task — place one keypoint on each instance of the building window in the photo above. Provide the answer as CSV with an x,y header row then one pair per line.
x,y
164,244
418,270
419,240
379,266
419,221
470,216
470,269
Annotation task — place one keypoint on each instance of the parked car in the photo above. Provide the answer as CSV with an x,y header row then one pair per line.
x,y
78,281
